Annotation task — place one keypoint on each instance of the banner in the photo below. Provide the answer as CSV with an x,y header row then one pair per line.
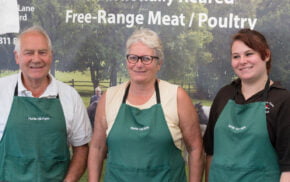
x,y
90,36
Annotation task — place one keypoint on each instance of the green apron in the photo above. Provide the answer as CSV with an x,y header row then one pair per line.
x,y
34,144
242,148
140,147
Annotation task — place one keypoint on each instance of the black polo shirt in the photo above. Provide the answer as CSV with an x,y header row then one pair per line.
x,y
277,115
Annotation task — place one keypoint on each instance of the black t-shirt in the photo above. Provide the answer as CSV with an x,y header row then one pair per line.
x,y
277,114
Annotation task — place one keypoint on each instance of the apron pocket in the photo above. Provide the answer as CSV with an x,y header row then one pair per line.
x,y
53,170
19,169
119,173
221,174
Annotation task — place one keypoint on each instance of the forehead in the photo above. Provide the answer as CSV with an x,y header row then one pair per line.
x,y
240,46
33,41
140,49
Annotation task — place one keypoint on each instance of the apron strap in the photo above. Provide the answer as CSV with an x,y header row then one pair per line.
x,y
156,90
266,89
16,90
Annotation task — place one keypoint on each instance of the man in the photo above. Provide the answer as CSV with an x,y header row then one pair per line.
x,y
93,105
97,96
39,118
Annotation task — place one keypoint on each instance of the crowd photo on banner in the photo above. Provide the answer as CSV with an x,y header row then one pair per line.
x,y
144,91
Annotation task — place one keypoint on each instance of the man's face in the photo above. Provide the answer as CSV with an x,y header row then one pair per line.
x,y
34,57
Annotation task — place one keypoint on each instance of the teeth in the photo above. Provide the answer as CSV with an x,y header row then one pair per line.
x,y
36,66
245,68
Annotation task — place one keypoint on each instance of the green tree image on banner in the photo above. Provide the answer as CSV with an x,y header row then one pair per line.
x,y
89,36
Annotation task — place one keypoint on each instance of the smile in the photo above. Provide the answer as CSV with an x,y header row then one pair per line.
x,y
245,68
36,67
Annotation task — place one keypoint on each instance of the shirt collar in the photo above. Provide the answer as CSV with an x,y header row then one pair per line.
x,y
50,92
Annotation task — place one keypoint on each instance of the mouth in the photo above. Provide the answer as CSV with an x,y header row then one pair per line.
x,y
245,68
139,71
36,66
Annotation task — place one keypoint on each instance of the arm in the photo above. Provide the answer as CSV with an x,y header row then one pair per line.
x,y
188,121
208,162
285,176
78,163
98,147
283,138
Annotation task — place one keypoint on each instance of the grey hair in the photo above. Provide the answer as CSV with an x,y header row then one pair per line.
x,y
34,28
149,38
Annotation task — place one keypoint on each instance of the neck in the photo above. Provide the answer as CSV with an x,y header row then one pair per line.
x,y
36,87
140,93
251,88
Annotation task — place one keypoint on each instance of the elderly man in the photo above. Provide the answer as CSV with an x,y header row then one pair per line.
x,y
40,118
96,97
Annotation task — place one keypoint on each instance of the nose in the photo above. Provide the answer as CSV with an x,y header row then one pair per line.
x,y
139,61
243,60
36,57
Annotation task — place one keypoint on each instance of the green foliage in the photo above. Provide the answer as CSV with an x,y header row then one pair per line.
x,y
274,23
192,54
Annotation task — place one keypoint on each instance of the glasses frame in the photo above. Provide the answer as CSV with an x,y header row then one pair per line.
x,y
141,59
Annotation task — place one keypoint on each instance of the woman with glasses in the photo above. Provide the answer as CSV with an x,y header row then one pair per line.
x,y
248,133
144,126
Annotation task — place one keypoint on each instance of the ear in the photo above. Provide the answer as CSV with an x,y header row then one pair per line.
x,y
268,55
16,57
159,63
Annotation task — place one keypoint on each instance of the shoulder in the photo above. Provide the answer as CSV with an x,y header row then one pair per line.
x,y
8,79
68,96
116,91
279,95
227,91
9,83
65,89
167,88
278,89
166,84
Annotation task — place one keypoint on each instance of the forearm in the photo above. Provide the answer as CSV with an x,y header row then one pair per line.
x,y
95,164
195,163
78,163
207,166
285,176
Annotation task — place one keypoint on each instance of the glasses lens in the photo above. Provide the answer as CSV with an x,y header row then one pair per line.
x,y
146,59
132,58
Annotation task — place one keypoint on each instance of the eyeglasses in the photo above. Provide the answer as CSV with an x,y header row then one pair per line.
x,y
133,59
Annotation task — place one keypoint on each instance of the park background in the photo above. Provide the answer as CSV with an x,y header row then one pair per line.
x,y
89,37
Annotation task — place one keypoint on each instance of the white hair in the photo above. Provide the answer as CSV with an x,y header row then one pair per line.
x,y
34,28
149,38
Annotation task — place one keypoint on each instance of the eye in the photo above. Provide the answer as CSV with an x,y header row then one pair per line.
x,y
249,53
133,57
146,58
28,53
42,52
235,56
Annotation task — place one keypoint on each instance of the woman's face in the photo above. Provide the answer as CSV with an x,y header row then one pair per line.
x,y
247,63
139,72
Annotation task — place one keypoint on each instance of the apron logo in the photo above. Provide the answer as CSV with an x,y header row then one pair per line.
x,y
38,118
236,128
140,129
268,107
